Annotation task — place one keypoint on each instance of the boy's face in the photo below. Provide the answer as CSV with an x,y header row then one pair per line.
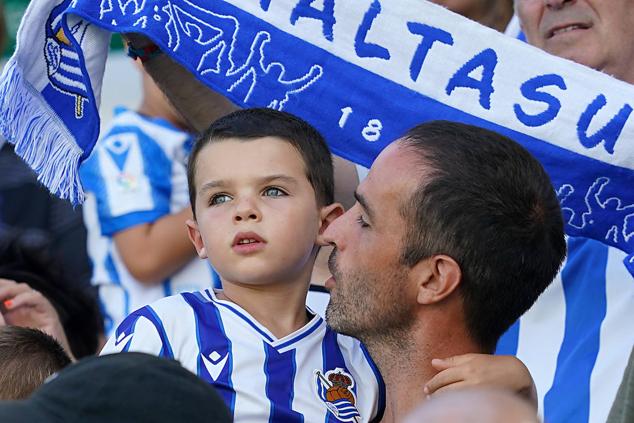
x,y
257,216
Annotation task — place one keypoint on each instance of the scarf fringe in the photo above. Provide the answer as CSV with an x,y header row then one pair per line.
x,y
40,138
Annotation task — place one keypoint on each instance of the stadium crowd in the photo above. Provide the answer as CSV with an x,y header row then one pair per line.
x,y
210,229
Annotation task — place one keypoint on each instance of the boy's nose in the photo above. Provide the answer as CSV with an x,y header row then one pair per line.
x,y
246,210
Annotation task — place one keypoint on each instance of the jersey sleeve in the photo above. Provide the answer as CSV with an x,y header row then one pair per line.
x,y
142,331
130,176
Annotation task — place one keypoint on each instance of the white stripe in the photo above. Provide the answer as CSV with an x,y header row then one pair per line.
x,y
247,352
541,335
617,337
68,82
56,21
66,52
70,69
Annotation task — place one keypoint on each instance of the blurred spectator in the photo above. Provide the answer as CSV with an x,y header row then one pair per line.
x,y
495,14
42,278
474,406
123,388
27,358
137,206
623,408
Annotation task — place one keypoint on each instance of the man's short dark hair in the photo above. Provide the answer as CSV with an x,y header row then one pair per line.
x,y
251,124
27,358
488,204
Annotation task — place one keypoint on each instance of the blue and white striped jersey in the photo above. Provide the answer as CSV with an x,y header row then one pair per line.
x,y
311,375
135,175
577,337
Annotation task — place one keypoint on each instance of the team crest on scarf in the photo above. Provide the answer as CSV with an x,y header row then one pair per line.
x,y
63,62
334,389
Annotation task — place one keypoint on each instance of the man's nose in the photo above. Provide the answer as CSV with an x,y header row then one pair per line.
x,y
557,4
246,210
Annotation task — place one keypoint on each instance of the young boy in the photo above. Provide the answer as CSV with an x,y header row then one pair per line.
x,y
261,189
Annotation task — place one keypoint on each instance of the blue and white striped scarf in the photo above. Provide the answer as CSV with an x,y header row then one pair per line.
x,y
361,71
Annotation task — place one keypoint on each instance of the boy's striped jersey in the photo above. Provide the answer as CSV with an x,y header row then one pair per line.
x,y
311,375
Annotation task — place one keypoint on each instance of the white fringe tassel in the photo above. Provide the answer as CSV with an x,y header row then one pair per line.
x,y
39,136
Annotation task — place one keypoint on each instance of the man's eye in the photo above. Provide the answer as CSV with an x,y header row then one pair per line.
x,y
362,222
273,192
219,199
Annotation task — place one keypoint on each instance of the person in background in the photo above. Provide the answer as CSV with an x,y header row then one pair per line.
x,y
574,340
45,298
495,14
136,208
27,358
474,406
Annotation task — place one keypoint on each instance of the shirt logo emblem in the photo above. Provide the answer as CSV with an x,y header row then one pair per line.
x,y
334,389
122,339
214,364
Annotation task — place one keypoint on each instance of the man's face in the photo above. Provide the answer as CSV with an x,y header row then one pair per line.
x,y
370,291
595,33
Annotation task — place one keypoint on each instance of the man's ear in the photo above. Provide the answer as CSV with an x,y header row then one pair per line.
x,y
196,238
327,215
437,278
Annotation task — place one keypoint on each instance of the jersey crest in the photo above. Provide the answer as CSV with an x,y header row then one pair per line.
x,y
334,389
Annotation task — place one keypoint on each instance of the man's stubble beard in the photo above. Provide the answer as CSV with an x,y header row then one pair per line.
x,y
372,308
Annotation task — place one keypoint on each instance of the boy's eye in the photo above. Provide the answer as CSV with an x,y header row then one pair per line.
x,y
273,192
219,199
362,222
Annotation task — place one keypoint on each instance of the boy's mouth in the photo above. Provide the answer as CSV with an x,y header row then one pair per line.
x,y
247,242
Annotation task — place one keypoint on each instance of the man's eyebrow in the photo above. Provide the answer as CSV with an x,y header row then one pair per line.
x,y
361,200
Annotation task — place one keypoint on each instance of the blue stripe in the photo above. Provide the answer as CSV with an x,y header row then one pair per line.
x,y
211,337
381,402
167,287
509,341
332,359
114,277
150,314
301,336
280,370
583,278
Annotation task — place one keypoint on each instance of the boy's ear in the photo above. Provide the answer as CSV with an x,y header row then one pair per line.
x,y
196,238
437,277
327,215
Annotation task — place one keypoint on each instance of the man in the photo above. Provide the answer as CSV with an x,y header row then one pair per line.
x,y
581,319
440,257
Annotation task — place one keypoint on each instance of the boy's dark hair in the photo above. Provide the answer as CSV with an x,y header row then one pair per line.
x,y
32,262
250,124
27,357
488,204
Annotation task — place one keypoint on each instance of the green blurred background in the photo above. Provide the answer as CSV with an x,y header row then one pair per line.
x,y
13,11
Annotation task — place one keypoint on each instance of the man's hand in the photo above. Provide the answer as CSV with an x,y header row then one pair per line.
x,y
26,307
500,371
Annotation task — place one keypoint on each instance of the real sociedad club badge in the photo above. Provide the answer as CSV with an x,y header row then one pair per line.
x,y
334,389
63,63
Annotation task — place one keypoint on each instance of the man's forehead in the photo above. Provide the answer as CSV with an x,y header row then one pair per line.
x,y
393,177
